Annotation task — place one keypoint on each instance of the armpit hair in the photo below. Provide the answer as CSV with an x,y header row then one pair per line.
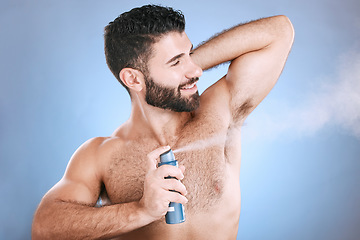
x,y
239,113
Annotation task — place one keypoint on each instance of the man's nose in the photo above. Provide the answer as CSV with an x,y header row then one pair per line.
x,y
194,70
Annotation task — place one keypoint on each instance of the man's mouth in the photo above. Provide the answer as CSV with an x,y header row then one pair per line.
x,y
189,86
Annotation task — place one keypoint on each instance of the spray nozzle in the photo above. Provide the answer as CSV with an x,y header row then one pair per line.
x,y
167,156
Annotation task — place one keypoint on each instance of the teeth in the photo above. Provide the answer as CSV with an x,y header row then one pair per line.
x,y
190,86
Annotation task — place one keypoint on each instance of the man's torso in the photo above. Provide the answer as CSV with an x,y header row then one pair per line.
x,y
210,151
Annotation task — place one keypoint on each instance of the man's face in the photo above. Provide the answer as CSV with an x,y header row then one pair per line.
x,y
171,98
171,81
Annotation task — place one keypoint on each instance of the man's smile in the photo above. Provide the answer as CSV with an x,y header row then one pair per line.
x,y
189,88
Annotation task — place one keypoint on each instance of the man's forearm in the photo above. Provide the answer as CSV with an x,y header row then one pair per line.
x,y
241,39
64,220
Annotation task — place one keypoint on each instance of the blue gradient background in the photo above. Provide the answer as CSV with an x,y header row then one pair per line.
x,y
301,146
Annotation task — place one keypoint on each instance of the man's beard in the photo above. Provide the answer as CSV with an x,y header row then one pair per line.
x,y
170,98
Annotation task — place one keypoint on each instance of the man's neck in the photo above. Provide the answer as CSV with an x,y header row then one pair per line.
x,y
164,126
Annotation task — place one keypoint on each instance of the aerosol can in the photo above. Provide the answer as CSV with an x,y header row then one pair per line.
x,y
175,212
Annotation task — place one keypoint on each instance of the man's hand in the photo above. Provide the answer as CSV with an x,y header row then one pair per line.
x,y
157,194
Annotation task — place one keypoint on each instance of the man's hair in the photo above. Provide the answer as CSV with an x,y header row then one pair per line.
x,y
129,38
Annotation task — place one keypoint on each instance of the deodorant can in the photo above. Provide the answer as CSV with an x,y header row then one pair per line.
x,y
176,212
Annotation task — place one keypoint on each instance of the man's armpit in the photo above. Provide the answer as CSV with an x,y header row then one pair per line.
x,y
239,113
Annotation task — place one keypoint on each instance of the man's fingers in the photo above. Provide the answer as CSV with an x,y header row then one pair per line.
x,y
169,170
154,155
174,185
176,197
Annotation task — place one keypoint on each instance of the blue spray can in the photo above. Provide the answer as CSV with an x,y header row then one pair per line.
x,y
176,212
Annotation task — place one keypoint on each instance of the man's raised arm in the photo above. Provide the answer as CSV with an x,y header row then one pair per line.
x,y
257,51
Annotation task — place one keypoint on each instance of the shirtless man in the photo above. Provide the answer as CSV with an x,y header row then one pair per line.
x,y
150,54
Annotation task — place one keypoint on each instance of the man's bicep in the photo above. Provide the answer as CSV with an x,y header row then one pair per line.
x,y
215,102
81,181
67,190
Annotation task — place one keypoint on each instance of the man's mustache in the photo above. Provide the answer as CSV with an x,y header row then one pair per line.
x,y
191,81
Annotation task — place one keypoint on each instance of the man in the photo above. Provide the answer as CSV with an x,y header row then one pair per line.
x,y
152,57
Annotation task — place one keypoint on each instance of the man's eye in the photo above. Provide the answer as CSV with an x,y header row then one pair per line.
x,y
175,63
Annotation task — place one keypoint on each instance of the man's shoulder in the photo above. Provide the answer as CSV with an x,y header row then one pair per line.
x,y
106,146
95,153
97,145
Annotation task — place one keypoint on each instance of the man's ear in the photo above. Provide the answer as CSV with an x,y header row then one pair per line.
x,y
132,78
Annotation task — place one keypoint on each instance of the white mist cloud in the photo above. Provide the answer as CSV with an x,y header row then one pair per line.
x,y
335,103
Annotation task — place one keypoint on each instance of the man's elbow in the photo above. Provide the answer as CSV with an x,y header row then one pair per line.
x,y
286,29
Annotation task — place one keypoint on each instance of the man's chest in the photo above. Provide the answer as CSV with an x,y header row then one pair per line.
x,y
205,156
204,176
